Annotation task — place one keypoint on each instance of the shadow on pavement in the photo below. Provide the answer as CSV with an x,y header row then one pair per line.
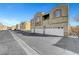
x,y
71,44
35,34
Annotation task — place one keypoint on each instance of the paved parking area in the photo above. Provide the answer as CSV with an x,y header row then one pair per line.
x,y
23,43
71,44
44,45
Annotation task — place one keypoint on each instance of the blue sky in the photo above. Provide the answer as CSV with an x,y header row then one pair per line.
x,y
11,14
73,11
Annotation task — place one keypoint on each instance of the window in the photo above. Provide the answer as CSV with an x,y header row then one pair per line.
x,y
57,13
45,17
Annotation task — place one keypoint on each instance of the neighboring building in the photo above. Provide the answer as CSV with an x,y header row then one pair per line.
x,y
28,26
73,30
25,26
22,26
53,23
13,27
3,27
9,28
17,26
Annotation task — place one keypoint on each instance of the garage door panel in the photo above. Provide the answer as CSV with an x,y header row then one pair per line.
x,y
59,32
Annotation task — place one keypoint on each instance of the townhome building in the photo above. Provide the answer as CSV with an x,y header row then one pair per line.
x,y
25,26
53,23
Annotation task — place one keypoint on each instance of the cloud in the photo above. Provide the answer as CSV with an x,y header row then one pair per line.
x,y
9,22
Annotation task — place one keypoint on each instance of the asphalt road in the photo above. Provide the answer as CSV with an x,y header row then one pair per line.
x,y
44,44
8,46
25,43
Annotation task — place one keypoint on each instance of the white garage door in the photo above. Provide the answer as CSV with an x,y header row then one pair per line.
x,y
59,32
32,30
39,31
50,31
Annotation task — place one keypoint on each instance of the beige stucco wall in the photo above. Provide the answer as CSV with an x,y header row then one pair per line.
x,y
25,26
53,21
3,27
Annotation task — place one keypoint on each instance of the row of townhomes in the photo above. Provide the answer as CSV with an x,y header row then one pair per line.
x,y
53,23
24,26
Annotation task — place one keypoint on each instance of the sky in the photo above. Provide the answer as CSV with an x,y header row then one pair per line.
x,y
15,13
73,12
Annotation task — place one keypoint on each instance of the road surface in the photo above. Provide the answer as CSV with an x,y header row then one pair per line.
x,y
12,45
25,43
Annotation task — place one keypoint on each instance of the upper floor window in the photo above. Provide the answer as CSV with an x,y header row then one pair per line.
x,y
46,17
57,13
